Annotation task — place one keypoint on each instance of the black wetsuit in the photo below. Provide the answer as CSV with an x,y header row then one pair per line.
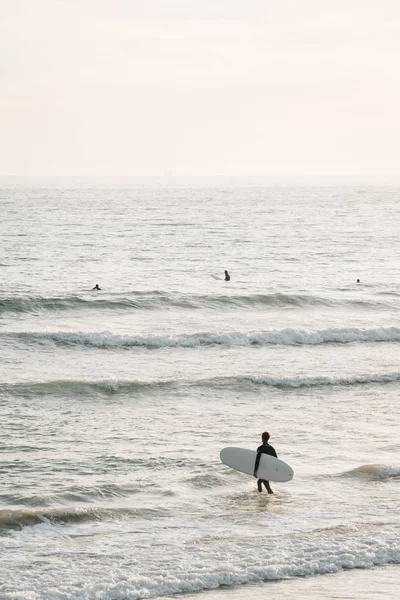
x,y
264,449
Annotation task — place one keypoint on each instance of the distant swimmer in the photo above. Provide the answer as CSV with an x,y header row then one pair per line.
x,y
264,449
358,281
96,287
227,276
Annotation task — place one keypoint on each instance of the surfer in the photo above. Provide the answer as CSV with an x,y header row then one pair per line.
x,y
96,287
265,448
227,276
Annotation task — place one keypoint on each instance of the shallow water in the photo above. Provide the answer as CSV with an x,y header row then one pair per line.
x,y
116,404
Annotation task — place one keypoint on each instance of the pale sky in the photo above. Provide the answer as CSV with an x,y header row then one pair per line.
x,y
200,87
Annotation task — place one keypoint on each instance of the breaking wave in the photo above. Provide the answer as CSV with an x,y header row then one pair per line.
x,y
375,472
206,564
286,337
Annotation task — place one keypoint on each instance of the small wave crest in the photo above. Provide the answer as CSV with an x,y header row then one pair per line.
x,y
375,472
108,387
285,337
115,387
34,304
156,300
17,518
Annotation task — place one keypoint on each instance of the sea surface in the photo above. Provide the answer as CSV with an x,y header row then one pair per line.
x,y
115,404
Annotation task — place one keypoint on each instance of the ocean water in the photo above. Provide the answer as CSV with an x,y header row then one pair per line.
x,y
115,404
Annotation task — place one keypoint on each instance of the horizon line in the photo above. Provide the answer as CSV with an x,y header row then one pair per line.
x,y
203,176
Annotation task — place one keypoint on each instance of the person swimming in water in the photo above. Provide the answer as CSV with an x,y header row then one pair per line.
x,y
264,449
96,287
227,276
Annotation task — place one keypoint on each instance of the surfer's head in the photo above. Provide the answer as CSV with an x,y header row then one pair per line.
x,y
265,437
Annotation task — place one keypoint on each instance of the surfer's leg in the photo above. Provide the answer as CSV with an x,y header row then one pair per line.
x,y
267,487
259,484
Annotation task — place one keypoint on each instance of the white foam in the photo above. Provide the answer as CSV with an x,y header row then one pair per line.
x,y
104,568
387,471
296,382
193,340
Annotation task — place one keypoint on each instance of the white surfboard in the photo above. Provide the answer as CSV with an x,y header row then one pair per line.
x,y
270,468
216,277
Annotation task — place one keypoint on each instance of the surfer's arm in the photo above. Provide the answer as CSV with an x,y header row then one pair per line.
x,y
256,464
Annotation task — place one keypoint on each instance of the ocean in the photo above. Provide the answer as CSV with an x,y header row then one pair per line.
x,y
115,404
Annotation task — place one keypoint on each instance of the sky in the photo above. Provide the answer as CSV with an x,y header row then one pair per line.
x,y
200,87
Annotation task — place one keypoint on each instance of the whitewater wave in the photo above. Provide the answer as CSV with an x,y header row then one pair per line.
x,y
321,381
209,568
205,564
114,387
156,300
286,337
